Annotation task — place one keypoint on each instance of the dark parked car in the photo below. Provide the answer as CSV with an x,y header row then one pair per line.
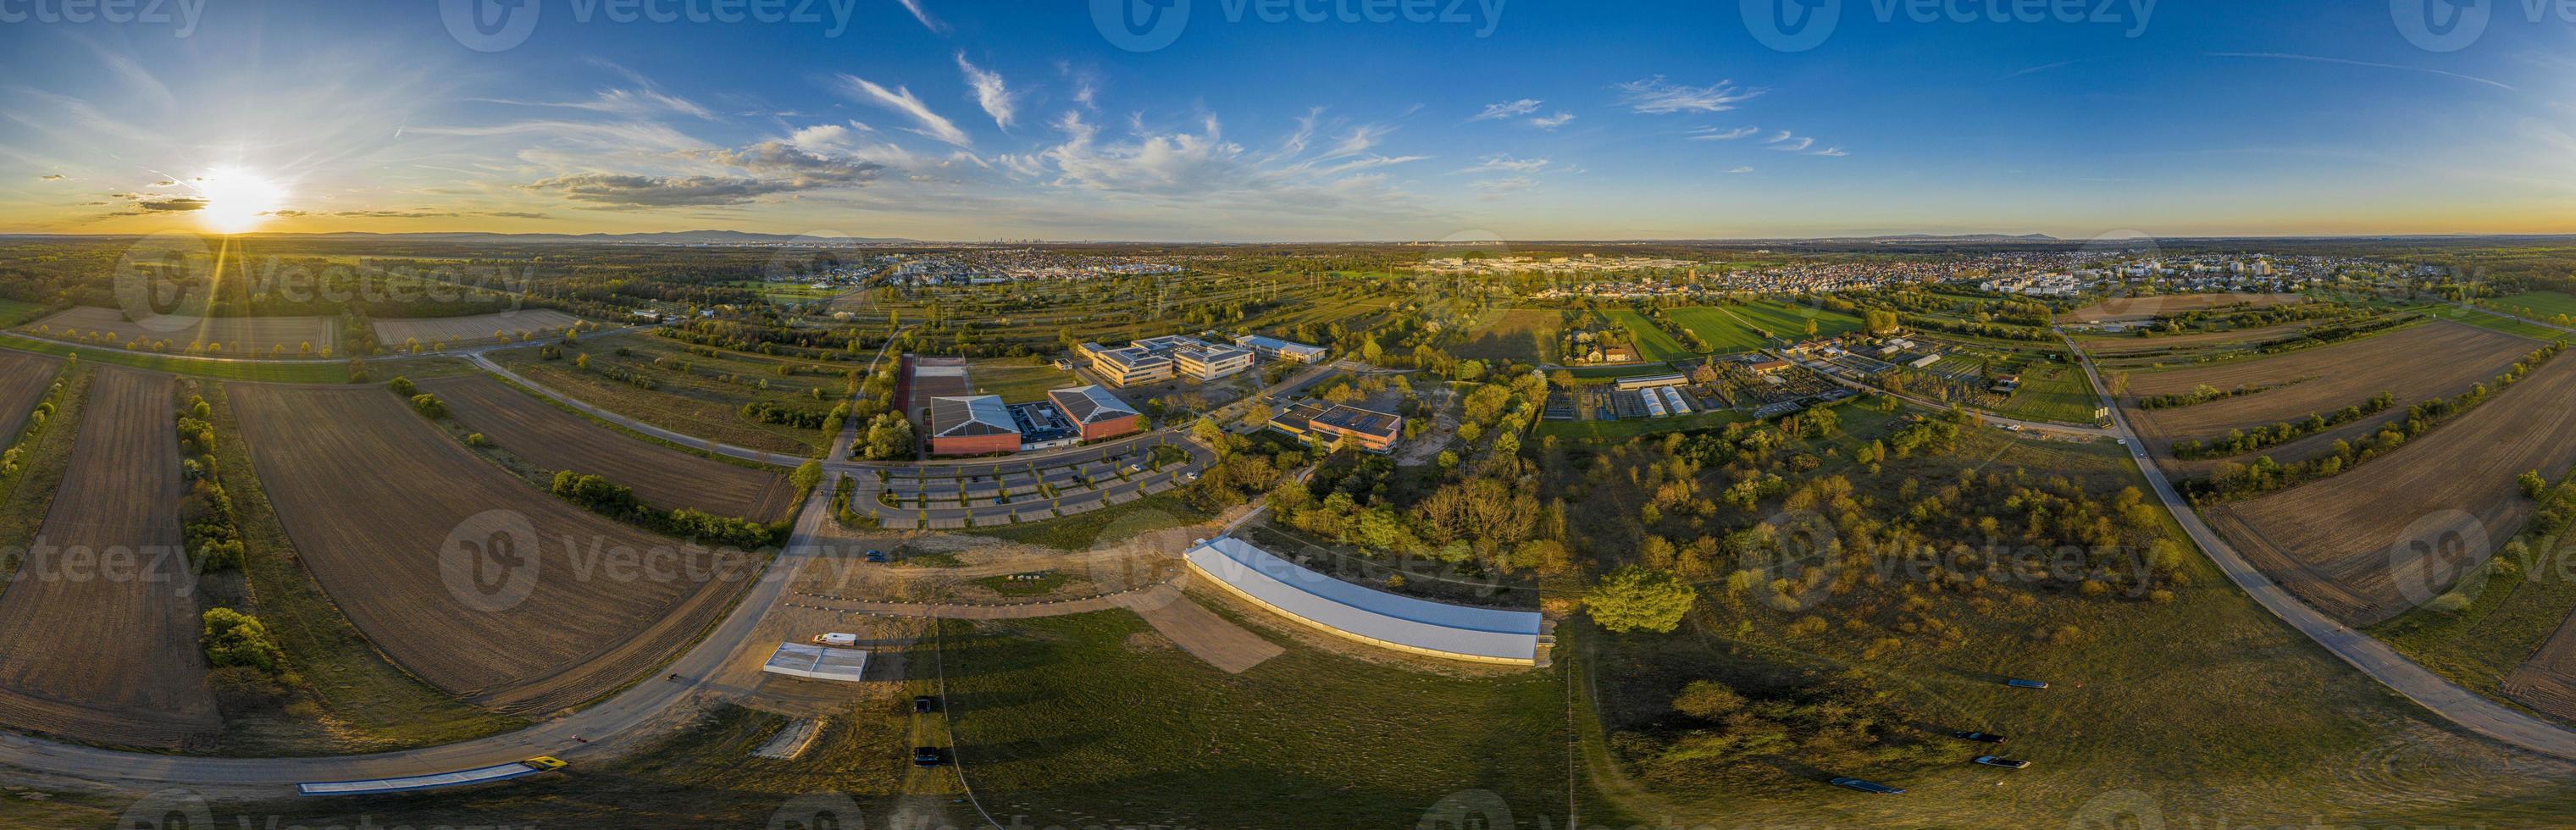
x,y
1979,737
1872,788
2027,684
926,756
924,704
2000,761
876,556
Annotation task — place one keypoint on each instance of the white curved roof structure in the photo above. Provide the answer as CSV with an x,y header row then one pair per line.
x,y
1398,622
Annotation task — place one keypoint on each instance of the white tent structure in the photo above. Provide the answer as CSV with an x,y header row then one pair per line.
x,y
1398,622
847,665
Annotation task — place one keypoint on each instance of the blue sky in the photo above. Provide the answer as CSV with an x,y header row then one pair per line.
x,y
939,119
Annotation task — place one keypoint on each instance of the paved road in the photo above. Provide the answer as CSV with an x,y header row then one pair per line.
x,y
607,726
2455,704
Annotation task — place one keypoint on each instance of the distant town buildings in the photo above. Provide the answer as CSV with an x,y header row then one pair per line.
x,y
1341,425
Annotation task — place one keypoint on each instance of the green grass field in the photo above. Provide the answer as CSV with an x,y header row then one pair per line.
x,y
2538,305
2485,320
694,394
1722,330
13,312
1524,334
1790,321
1096,719
2053,392
1652,343
1018,379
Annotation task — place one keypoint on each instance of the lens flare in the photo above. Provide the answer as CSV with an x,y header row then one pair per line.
x,y
237,200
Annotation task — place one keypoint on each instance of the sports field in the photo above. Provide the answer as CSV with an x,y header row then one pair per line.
x,y
1513,334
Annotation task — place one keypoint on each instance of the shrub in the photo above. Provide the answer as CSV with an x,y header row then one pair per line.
x,y
429,405
402,386
233,638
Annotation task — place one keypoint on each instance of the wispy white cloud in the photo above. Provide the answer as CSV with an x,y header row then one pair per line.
x,y
923,15
1715,134
1832,151
1656,96
1552,121
1505,163
900,99
1507,109
990,93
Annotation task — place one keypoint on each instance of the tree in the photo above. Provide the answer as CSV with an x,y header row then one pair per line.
x,y
1708,700
232,638
2532,484
1638,598
807,476
1208,432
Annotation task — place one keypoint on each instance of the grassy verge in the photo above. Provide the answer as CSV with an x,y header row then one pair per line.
x,y
2495,322
1082,531
1094,719
273,371
366,702
2055,392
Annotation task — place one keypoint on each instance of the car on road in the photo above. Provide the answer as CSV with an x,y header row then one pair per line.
x,y
2000,761
877,556
924,704
1871,787
927,756
1979,737
2018,683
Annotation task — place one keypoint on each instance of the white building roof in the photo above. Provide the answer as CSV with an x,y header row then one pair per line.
x,y
818,662
977,415
1482,633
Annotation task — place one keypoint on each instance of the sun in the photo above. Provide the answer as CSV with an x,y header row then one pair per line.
x,y
237,200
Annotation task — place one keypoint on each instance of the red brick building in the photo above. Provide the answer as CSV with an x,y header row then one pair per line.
x,y
978,425
1100,414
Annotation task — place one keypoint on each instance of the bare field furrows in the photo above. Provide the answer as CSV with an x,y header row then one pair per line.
x,y
2121,346
2547,681
463,574
23,380
2147,308
2353,545
237,335
101,624
2444,359
557,440
2427,347
478,329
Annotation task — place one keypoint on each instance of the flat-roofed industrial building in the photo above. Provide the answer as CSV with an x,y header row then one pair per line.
x,y
1277,349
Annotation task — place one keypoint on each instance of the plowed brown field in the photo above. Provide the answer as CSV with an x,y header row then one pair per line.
x,y
2356,545
463,574
2433,360
237,335
98,634
557,440
23,380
